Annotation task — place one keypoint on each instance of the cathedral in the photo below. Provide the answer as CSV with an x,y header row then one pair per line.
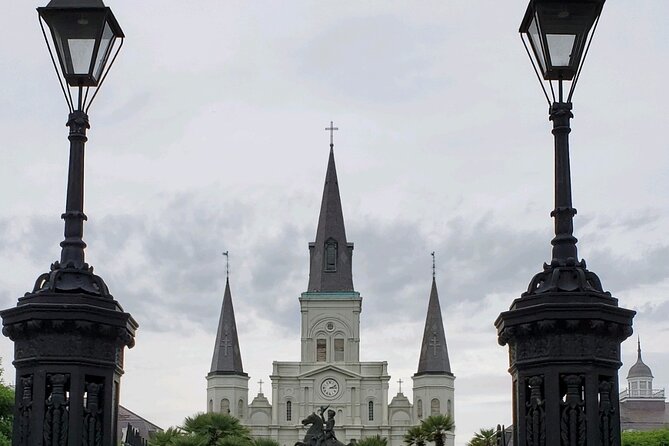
x,y
330,372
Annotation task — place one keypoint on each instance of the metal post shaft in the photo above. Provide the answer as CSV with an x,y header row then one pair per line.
x,y
564,242
72,254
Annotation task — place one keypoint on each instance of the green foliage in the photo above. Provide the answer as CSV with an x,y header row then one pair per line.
x,y
235,441
433,428
6,411
376,440
189,440
208,429
265,442
216,429
170,437
484,437
436,426
415,436
651,438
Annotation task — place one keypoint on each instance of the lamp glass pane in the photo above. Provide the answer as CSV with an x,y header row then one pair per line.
x,y
63,53
103,51
535,37
81,53
560,48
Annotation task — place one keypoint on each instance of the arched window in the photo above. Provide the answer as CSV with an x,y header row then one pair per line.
x,y
419,408
240,409
370,413
225,406
289,411
321,350
339,349
331,255
211,406
449,408
434,407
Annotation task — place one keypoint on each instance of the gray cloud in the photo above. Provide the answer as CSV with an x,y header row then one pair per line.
x,y
621,273
167,269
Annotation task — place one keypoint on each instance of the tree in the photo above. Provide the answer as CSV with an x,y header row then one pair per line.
x,y
650,438
265,442
216,429
170,437
484,437
415,436
436,426
376,440
6,411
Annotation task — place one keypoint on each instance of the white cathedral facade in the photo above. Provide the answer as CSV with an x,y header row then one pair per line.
x,y
330,372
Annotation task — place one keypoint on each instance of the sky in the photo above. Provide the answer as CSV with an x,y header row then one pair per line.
x,y
209,136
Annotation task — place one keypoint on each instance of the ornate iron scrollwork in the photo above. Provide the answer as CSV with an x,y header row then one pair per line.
x,y
607,411
25,408
57,413
535,415
92,429
572,419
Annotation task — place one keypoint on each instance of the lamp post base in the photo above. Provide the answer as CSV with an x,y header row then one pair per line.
x,y
564,356
68,354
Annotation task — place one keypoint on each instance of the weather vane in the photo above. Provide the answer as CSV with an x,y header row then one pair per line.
x,y
332,128
227,264
434,266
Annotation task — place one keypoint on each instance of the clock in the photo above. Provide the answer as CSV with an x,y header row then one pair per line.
x,y
330,388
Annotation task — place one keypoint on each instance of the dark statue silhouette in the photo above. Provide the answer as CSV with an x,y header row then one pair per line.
x,y
321,431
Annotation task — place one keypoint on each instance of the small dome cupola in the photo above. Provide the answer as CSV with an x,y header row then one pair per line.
x,y
639,369
640,378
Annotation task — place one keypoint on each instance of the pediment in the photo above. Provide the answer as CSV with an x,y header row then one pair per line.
x,y
331,368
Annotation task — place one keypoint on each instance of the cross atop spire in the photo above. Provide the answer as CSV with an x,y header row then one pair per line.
x,y
227,264
434,266
332,128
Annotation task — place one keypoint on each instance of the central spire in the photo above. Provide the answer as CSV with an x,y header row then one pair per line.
x,y
330,255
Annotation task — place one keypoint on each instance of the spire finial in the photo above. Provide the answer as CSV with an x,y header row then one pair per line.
x,y
227,264
332,128
260,383
400,383
638,347
434,265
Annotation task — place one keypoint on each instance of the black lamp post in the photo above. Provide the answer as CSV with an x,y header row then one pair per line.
x,y
564,332
69,333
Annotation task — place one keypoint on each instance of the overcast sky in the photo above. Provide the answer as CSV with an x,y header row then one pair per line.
x,y
209,136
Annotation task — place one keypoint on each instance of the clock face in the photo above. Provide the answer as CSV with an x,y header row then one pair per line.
x,y
330,388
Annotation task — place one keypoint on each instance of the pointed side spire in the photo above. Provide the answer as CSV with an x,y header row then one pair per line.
x,y
227,359
434,352
330,255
